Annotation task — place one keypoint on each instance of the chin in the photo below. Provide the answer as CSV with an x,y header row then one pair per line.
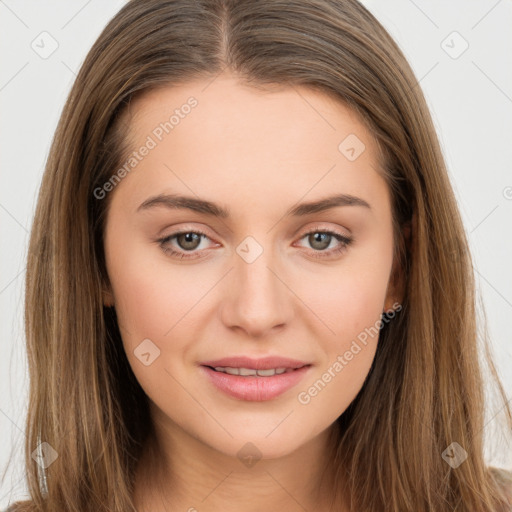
x,y
252,445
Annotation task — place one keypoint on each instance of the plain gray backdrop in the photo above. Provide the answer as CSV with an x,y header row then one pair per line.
x,y
460,53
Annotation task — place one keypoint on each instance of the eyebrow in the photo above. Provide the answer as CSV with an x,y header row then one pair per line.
x,y
176,201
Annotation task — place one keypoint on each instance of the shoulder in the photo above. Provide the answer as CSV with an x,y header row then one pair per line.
x,y
19,506
503,478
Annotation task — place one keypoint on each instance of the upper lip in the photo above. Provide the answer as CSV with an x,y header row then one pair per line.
x,y
264,363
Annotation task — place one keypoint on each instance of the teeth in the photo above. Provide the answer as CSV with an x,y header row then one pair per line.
x,y
247,371
267,373
251,372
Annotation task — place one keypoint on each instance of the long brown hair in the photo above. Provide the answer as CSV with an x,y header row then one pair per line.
x,y
425,389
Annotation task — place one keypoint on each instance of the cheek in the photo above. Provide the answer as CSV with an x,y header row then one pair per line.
x,y
153,296
155,300
351,307
349,302
159,300
347,298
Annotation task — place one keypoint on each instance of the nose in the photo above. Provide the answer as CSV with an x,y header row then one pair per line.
x,y
257,299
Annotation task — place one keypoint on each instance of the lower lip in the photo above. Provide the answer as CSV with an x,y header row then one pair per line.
x,y
255,389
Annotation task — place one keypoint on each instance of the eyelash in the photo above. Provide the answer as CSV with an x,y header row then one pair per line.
x,y
344,243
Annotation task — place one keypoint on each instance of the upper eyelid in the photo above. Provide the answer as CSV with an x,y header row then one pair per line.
x,y
204,231
344,241
202,234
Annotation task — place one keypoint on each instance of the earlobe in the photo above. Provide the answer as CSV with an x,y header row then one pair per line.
x,y
108,299
108,303
391,305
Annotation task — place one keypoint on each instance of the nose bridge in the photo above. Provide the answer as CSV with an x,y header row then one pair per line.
x,y
258,299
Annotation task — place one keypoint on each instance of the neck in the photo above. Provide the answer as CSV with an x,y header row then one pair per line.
x,y
178,472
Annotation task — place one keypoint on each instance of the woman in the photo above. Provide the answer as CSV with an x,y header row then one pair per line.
x,y
194,342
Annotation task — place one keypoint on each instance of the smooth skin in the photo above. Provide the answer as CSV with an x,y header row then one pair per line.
x,y
258,154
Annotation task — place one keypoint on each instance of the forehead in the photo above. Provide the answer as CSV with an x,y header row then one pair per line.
x,y
211,135
227,105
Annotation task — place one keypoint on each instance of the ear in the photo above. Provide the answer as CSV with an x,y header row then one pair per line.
x,y
396,286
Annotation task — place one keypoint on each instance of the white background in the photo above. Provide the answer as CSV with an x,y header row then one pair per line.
x,y
470,98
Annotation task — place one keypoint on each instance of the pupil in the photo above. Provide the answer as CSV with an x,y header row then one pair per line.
x,y
317,237
189,239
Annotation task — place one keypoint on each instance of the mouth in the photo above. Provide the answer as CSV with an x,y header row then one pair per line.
x,y
257,381
248,364
252,372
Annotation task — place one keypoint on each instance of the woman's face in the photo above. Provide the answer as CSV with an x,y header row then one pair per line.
x,y
240,170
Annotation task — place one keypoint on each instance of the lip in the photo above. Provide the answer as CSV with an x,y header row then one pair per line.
x,y
264,363
255,389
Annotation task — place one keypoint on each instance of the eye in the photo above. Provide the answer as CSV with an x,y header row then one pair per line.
x,y
320,240
188,242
